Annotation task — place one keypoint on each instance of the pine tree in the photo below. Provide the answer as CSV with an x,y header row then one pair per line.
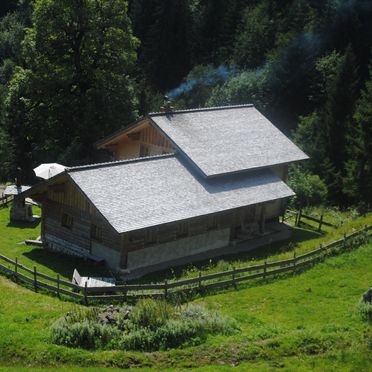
x,y
358,183
337,123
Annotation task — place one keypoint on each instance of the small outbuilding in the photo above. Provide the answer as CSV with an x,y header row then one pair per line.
x,y
183,185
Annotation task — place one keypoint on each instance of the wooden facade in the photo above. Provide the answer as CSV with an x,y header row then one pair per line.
x,y
143,140
71,224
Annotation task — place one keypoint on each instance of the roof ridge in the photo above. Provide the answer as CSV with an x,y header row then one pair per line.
x,y
118,162
212,108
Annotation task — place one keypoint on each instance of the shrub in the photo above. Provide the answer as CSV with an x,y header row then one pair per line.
x,y
211,321
86,334
309,188
151,314
150,325
365,306
172,334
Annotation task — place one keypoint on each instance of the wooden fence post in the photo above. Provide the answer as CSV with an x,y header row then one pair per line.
x,y
265,269
299,217
165,289
35,279
200,280
16,269
344,241
320,223
294,261
125,292
85,293
233,277
58,294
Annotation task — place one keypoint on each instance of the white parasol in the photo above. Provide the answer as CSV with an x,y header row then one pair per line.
x,y
48,170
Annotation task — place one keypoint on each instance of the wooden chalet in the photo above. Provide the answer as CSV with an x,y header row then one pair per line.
x,y
183,185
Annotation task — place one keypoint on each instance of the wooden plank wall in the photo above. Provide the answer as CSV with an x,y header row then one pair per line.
x,y
152,136
169,232
147,137
68,199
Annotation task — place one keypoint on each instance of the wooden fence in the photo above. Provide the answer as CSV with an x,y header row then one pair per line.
x,y
299,215
202,282
4,200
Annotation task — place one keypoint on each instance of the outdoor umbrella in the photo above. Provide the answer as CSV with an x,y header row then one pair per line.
x,y
48,170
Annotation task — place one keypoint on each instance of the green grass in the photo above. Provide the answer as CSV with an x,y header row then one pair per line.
x,y
304,322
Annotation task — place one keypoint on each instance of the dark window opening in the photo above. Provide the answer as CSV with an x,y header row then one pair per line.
x,y
182,229
96,233
67,220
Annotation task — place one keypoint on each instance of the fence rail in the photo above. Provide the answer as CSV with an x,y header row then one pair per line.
x,y
4,200
201,282
299,215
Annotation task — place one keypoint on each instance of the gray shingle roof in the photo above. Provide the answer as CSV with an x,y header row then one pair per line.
x,y
227,139
142,193
13,190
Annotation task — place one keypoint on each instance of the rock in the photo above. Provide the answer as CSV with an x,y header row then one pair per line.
x,y
104,321
110,319
367,296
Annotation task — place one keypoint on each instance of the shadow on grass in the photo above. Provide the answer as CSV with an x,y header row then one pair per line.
x,y
24,224
64,265
224,262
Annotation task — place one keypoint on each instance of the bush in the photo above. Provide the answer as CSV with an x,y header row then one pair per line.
x,y
172,334
151,314
365,310
86,334
309,188
149,326
365,306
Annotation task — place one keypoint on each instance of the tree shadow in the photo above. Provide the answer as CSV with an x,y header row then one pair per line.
x,y
64,265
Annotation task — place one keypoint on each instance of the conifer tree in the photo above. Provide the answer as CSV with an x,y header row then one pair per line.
x,y
337,123
358,182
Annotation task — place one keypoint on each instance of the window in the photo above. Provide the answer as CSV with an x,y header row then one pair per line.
x,y
96,233
182,229
67,220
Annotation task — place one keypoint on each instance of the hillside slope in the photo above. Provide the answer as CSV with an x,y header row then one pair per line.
x,y
308,321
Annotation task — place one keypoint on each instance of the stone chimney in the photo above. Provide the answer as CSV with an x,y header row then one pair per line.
x,y
167,105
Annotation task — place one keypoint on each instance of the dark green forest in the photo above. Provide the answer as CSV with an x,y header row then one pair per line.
x,y
72,71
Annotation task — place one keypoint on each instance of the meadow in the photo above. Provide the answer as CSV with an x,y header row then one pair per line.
x,y
307,321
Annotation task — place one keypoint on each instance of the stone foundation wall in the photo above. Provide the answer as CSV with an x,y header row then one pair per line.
x,y
56,244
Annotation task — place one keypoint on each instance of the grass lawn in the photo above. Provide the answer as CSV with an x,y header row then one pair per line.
x,y
303,322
